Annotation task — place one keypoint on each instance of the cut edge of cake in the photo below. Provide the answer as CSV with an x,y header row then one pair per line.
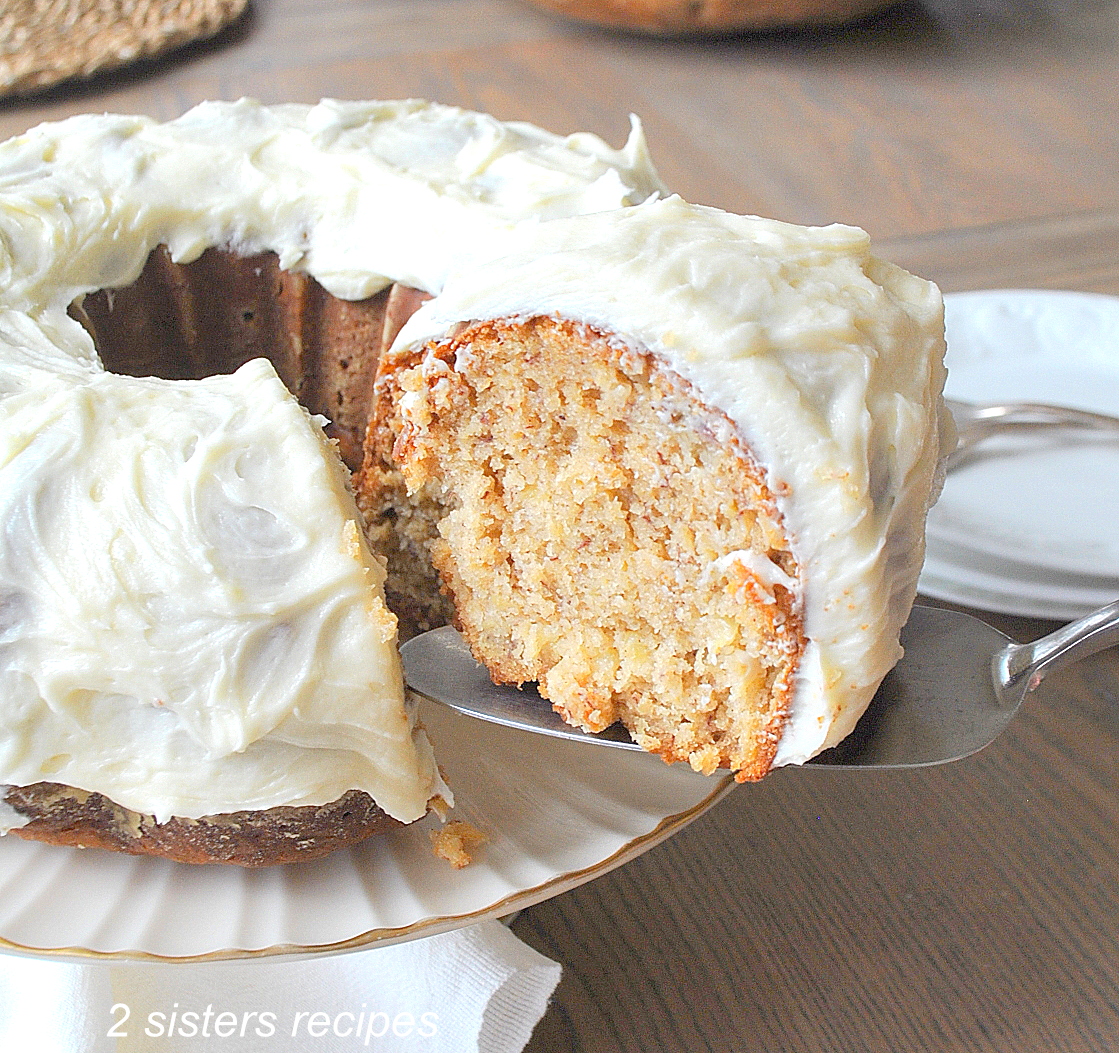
x,y
597,529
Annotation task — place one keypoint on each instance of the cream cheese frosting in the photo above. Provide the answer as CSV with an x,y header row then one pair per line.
x,y
190,620
828,360
357,194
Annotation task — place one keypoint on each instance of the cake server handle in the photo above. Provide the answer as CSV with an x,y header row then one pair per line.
x,y
976,422
1019,668
958,687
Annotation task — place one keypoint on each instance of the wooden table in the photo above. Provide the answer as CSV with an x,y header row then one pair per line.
x,y
962,909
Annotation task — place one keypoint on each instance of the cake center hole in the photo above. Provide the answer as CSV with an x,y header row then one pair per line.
x,y
189,321
210,316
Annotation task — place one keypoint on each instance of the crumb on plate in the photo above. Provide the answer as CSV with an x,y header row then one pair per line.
x,y
456,841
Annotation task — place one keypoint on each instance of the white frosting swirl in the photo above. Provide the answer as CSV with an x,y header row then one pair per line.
x,y
357,194
187,603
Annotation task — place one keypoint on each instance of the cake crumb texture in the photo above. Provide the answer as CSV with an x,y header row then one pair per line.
x,y
600,531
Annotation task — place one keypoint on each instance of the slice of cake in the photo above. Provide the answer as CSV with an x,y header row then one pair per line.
x,y
673,465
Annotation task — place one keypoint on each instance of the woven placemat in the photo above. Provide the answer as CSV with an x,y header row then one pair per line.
x,y
45,42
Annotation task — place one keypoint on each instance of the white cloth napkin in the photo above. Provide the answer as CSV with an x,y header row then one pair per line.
x,y
475,989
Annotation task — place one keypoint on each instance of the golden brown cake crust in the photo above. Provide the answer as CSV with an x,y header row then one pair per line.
x,y
583,508
62,815
189,321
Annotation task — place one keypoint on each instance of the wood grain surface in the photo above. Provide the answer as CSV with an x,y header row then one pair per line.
x,y
962,909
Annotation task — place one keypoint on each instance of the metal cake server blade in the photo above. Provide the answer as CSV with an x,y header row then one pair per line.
x,y
958,687
439,666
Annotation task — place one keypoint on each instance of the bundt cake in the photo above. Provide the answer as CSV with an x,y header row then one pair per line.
x,y
672,464
197,657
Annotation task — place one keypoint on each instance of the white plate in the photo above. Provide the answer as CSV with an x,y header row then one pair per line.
x,y
1034,517
996,586
557,814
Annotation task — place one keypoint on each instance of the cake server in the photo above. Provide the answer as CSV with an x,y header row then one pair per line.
x,y
976,422
958,686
